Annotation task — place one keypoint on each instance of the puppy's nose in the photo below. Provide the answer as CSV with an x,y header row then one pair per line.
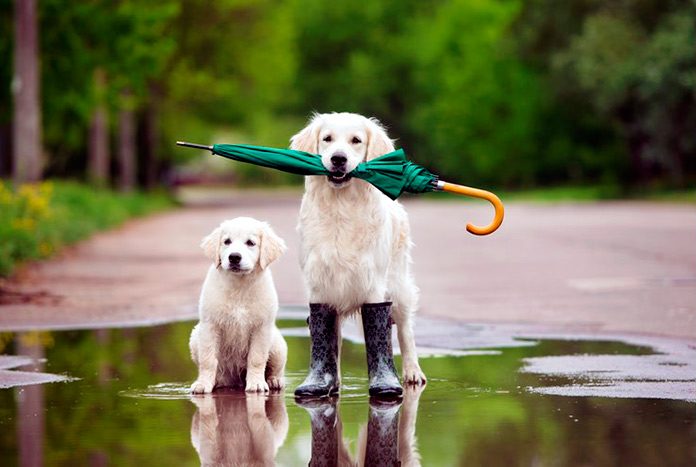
x,y
339,160
235,258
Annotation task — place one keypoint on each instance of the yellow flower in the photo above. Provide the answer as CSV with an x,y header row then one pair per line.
x,y
27,189
36,197
47,189
37,204
23,223
45,248
6,196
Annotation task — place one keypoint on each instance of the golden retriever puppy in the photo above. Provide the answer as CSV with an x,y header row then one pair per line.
x,y
236,341
230,429
355,256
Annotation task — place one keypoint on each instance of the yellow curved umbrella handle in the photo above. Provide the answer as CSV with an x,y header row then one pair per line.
x,y
483,194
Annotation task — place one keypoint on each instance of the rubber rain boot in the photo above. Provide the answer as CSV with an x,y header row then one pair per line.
x,y
384,382
322,379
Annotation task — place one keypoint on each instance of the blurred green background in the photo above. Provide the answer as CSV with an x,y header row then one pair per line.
x,y
573,99
501,93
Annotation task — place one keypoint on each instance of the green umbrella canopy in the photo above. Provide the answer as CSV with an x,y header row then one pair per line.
x,y
391,173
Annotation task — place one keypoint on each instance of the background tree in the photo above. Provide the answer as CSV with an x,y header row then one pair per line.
x,y
25,87
627,69
506,93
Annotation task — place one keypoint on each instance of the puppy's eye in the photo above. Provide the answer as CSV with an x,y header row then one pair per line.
x,y
356,140
328,138
250,243
227,241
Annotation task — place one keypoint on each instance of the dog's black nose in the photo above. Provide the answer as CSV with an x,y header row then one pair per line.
x,y
339,160
235,258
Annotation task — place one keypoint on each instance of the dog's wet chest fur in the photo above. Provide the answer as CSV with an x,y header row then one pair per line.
x,y
234,333
347,229
243,311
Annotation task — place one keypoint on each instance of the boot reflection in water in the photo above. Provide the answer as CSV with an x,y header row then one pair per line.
x,y
238,429
382,444
328,449
389,439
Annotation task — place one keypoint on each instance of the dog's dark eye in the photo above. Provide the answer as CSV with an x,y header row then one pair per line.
x,y
227,241
356,140
250,243
327,138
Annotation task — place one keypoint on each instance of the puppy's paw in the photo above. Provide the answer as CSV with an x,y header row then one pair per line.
x,y
253,385
199,387
413,375
276,383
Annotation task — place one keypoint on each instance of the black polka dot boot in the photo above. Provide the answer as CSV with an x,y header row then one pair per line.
x,y
384,382
322,379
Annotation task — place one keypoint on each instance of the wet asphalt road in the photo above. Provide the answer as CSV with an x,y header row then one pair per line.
x,y
612,267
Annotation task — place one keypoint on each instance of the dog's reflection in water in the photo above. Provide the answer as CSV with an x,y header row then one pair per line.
x,y
238,428
389,439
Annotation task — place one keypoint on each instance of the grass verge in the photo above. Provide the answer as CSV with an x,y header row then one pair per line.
x,y
36,220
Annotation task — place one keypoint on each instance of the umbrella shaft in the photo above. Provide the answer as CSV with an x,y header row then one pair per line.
x,y
194,145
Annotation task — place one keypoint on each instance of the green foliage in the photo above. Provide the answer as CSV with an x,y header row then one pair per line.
x,y
234,61
478,107
634,64
506,93
126,40
37,220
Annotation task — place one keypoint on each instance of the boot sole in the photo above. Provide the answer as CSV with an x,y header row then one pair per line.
x,y
316,394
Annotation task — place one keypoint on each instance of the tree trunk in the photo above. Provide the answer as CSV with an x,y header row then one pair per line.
x,y
126,144
6,150
151,138
25,88
98,157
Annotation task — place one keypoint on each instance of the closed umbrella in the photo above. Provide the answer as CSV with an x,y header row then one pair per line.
x,y
390,173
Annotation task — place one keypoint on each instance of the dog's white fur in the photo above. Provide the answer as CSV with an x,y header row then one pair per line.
x,y
355,241
236,338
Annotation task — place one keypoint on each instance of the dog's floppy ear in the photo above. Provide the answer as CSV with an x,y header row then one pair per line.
x,y
211,246
271,247
307,139
378,142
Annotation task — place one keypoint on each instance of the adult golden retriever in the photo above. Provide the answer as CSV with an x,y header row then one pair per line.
x,y
355,241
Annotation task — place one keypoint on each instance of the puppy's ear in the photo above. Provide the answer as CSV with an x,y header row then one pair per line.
x,y
378,142
307,139
271,247
211,246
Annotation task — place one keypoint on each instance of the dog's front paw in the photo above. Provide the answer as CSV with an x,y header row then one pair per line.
x,y
276,382
253,385
199,387
414,375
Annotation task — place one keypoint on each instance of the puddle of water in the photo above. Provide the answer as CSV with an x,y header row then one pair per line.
x,y
131,407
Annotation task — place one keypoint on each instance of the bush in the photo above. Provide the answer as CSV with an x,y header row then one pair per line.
x,y
38,219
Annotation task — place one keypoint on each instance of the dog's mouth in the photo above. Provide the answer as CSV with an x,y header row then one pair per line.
x,y
338,178
238,270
